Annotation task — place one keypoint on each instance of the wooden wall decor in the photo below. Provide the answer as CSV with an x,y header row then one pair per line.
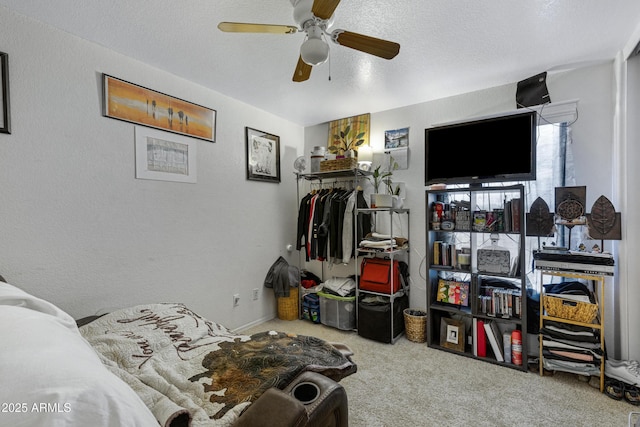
x,y
539,219
604,222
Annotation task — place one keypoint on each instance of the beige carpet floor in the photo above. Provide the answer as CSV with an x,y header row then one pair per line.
x,y
410,384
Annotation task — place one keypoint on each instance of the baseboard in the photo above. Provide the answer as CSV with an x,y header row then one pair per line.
x,y
256,322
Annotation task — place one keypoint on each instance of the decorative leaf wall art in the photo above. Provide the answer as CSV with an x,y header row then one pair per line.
x,y
570,203
539,219
604,222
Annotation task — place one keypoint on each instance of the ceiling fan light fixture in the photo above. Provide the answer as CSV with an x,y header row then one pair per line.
x,y
314,51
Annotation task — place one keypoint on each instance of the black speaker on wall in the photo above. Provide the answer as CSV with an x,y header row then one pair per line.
x,y
532,91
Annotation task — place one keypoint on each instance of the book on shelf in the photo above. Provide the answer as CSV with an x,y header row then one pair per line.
x,y
516,208
436,252
445,254
495,339
474,330
506,343
482,339
575,267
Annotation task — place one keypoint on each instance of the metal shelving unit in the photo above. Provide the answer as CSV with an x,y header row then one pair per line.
x,y
401,254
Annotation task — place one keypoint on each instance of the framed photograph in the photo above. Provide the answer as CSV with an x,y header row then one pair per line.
x,y
4,94
452,334
263,156
165,156
136,104
348,134
396,138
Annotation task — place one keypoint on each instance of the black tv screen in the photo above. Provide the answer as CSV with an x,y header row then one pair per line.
x,y
495,149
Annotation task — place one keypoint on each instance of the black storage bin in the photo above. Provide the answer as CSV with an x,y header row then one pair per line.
x,y
374,319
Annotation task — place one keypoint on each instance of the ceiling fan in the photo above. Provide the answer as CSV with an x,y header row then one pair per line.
x,y
314,17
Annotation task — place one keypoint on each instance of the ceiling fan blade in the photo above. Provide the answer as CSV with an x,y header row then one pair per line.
x,y
378,47
323,9
243,27
303,71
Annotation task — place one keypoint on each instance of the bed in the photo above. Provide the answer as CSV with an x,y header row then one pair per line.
x,y
161,364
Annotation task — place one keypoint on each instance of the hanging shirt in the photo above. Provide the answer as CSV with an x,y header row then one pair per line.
x,y
347,228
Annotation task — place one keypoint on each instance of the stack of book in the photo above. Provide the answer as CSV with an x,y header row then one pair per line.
x,y
574,261
500,302
487,331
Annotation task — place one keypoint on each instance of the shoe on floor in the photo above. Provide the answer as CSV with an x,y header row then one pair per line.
x,y
632,395
617,363
614,389
627,372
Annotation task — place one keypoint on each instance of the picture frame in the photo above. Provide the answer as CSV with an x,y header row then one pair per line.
x,y
452,334
5,117
397,138
263,156
164,156
349,133
136,104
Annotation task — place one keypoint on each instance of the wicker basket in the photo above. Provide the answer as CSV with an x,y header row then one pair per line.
x,y
415,324
338,164
569,309
288,306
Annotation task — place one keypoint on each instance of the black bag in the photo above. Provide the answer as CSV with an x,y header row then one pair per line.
x,y
374,319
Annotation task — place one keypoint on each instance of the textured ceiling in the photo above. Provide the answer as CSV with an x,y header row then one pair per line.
x,y
448,47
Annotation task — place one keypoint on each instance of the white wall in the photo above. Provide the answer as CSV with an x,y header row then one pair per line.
x,y
626,162
592,139
631,347
78,229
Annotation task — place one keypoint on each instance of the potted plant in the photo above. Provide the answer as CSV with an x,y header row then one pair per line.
x,y
397,201
378,178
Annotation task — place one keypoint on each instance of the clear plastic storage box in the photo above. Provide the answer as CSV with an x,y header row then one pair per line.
x,y
338,312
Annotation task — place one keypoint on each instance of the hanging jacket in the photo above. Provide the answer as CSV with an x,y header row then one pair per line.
x,y
280,277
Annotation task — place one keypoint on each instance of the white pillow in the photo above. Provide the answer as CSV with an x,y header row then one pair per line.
x,y
51,375
10,295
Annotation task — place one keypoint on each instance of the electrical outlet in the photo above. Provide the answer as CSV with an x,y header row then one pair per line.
x,y
256,293
236,300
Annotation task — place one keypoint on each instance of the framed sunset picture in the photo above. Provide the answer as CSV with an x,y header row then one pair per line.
x,y
136,104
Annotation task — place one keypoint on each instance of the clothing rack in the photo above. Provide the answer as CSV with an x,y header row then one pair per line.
x,y
333,184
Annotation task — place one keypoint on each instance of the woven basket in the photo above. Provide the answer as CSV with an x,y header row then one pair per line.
x,y
338,164
288,306
415,324
572,310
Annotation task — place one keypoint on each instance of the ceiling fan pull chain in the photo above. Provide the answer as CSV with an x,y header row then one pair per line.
x,y
329,67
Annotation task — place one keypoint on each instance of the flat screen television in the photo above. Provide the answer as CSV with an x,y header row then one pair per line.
x,y
492,149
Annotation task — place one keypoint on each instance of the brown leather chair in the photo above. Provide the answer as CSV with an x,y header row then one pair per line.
x,y
311,400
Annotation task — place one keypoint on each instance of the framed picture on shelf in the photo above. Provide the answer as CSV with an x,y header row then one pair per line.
x,y
136,104
4,93
452,334
263,156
